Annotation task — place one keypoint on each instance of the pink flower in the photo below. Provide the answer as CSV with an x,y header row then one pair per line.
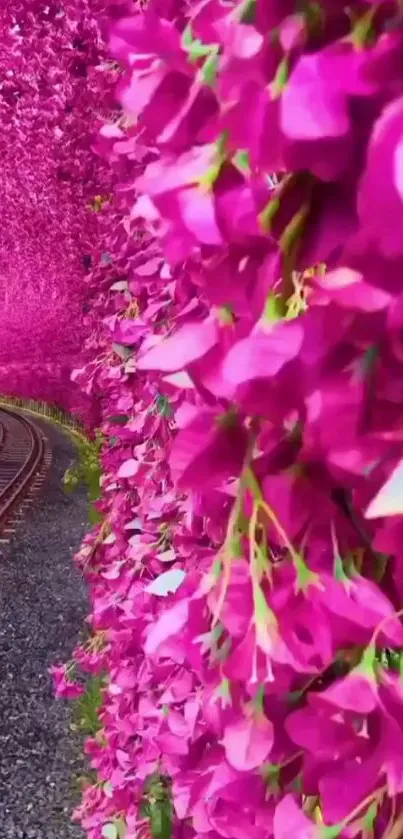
x,y
65,687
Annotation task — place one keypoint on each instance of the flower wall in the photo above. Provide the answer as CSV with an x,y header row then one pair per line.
x,y
243,340
52,81
246,579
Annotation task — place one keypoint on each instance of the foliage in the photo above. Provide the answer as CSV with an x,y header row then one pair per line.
x,y
156,806
87,471
88,705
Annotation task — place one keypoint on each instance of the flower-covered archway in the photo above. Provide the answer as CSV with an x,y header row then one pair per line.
x,y
242,333
51,88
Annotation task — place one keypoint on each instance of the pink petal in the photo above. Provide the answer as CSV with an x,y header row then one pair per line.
x,y
290,822
191,342
311,109
204,454
128,468
170,623
263,354
248,742
353,693
198,214
129,331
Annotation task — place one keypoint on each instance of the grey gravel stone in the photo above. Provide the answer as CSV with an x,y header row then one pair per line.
x,y
42,608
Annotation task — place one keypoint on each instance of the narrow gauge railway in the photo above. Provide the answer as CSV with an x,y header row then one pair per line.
x,y
22,454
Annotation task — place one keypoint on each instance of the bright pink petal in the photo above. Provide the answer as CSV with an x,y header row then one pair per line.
x,y
191,342
248,742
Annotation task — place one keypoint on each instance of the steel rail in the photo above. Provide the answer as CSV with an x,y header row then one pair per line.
x,y
21,456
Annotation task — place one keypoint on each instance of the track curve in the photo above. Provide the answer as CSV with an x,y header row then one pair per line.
x,y
22,450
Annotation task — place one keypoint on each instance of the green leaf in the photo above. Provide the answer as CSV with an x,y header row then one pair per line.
x,y
294,230
363,32
339,572
248,12
110,831
88,705
145,810
273,308
225,316
241,160
199,50
94,516
368,662
152,781
271,774
370,816
187,37
163,406
296,784
281,78
161,819
87,468
305,577
93,479
330,832
209,69
121,827
268,213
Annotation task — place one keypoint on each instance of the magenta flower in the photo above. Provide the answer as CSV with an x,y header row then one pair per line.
x,y
290,821
208,451
245,611
248,742
382,179
65,686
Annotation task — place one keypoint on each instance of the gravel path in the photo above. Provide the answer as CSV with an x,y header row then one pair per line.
x,y
42,607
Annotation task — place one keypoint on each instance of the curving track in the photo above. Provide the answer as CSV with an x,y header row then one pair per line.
x,y
22,451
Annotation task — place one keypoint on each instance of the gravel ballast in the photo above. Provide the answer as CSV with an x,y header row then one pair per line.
x,y
42,609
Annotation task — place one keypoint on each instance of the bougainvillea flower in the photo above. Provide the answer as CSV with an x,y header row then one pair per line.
x,y
208,451
382,178
360,602
340,799
190,343
326,738
234,235
247,742
65,687
356,692
347,288
290,821
129,331
264,353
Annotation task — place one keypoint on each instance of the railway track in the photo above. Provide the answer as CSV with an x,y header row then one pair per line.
x,y
23,456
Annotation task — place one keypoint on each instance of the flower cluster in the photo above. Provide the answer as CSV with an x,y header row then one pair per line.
x,y
51,82
246,578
